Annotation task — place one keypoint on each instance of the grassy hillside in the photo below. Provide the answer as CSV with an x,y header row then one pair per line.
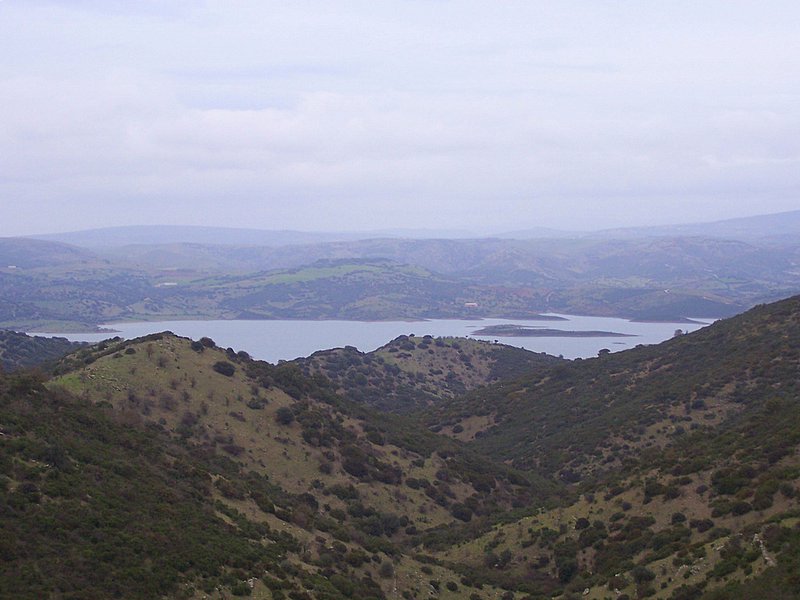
x,y
686,455
95,508
668,471
280,458
692,382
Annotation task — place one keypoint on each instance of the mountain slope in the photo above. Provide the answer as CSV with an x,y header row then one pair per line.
x,y
93,508
578,406
761,228
756,228
327,497
687,455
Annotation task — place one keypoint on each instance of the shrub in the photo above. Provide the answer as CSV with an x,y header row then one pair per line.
x,y
241,589
284,415
642,574
461,512
387,570
224,368
678,517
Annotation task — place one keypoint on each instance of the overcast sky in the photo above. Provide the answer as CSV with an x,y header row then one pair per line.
x,y
349,115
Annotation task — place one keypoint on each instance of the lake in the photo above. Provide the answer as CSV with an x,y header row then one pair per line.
x,y
284,340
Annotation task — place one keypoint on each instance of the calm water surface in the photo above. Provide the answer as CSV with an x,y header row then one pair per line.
x,y
284,340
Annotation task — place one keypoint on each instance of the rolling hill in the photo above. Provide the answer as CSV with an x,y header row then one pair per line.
x,y
303,493
668,471
411,372
48,285
686,455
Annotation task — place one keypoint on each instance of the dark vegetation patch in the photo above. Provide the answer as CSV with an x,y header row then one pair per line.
x,y
18,350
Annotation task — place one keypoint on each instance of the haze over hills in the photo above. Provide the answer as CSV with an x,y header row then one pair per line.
x,y
111,237
668,471
649,275
648,279
775,226
24,253
759,228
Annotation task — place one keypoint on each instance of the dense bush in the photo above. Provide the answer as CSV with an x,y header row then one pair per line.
x,y
224,368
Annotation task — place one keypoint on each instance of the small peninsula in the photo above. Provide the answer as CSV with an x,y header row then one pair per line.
x,y
523,331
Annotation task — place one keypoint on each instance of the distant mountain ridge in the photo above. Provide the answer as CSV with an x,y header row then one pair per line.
x,y
773,226
761,227
776,226
111,237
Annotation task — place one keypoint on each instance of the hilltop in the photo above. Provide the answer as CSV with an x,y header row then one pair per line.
x,y
414,372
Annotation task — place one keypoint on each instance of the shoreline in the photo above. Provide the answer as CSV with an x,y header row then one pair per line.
x,y
108,327
113,328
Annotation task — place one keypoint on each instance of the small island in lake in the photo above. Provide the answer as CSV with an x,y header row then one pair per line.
x,y
523,331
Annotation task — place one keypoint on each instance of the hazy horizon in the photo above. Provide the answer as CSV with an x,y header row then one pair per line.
x,y
395,232
420,114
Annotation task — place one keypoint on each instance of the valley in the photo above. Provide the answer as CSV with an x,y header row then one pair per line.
x,y
399,300
430,467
